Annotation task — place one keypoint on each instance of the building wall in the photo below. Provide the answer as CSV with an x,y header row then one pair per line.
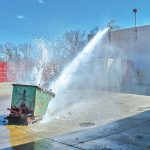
x,y
135,50
125,39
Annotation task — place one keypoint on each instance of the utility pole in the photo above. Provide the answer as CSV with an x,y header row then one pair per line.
x,y
135,19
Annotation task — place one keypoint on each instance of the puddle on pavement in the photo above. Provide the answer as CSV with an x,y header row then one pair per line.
x,y
3,121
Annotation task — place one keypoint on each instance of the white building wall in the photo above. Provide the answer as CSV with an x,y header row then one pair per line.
x,y
137,50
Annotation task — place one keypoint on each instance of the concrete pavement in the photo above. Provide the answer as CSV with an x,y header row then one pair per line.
x,y
132,133
118,121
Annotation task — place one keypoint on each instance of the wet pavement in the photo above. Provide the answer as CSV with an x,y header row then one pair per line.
x,y
132,133
119,122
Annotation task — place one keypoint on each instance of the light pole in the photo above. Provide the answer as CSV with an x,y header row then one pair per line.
x,y
135,29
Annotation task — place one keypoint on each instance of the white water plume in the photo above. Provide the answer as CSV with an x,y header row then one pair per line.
x,y
31,72
63,81
40,62
43,61
65,77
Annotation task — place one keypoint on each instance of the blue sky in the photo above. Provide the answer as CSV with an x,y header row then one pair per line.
x,y
24,20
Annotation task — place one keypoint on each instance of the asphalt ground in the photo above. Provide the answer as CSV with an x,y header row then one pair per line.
x,y
92,118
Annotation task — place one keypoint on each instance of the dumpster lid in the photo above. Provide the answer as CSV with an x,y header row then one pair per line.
x,y
38,87
15,84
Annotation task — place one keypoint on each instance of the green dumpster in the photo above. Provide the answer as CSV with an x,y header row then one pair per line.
x,y
29,100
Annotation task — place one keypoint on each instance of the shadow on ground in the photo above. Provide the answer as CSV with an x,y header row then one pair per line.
x,y
132,133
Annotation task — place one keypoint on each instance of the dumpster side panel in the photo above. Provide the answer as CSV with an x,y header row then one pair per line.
x,y
23,95
41,102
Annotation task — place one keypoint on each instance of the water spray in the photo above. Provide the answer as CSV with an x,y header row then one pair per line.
x,y
59,86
